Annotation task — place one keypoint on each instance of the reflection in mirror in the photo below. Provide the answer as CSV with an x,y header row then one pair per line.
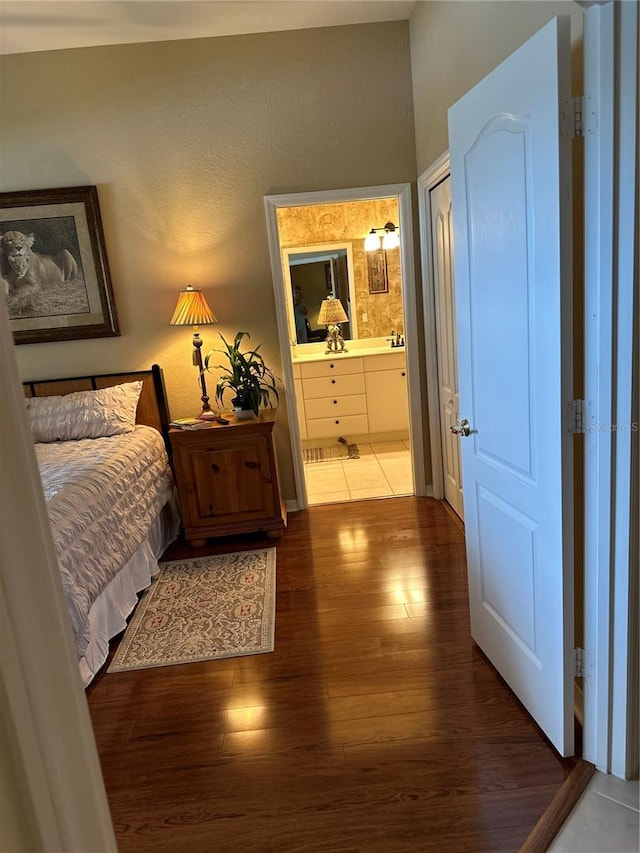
x,y
312,273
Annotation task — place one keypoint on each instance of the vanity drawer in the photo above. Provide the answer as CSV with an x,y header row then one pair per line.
x,y
333,427
333,386
385,361
327,407
331,367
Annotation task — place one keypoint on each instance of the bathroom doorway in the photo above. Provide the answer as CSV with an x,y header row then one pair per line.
x,y
355,412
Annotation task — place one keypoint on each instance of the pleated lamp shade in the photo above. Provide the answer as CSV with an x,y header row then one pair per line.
x,y
192,309
331,312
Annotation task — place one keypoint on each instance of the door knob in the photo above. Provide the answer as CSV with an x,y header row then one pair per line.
x,y
463,428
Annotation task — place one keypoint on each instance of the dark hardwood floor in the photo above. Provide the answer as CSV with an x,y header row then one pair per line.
x,y
375,725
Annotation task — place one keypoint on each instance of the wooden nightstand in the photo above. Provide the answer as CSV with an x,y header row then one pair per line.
x,y
227,479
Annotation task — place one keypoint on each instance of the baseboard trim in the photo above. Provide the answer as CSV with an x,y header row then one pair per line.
x,y
454,515
556,814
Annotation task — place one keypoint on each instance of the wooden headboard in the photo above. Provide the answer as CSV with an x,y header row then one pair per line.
x,y
152,407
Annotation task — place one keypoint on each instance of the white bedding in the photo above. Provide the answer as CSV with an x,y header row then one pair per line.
x,y
103,497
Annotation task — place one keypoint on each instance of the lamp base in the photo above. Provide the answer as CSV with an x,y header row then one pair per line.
x,y
335,341
208,416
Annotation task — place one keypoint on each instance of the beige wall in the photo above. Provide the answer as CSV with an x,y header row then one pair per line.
x,y
17,821
350,222
455,44
183,140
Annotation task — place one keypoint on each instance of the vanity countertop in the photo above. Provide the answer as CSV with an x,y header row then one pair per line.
x,y
355,349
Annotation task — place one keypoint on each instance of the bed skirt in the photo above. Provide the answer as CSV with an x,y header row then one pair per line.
x,y
108,614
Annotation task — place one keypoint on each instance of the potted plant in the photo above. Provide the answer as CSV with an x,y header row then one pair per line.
x,y
246,376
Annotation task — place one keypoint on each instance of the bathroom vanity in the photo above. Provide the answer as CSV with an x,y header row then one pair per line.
x,y
356,394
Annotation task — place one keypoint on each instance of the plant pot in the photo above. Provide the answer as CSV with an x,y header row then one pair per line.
x,y
242,414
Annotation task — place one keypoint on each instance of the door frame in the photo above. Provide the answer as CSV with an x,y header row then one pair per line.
x,y
429,179
402,193
611,391
60,793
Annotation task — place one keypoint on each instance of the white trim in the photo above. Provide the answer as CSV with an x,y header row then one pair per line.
x,y
429,179
43,700
610,66
625,648
402,192
598,203
271,205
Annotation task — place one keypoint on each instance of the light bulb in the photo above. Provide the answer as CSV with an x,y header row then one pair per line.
x,y
372,241
390,240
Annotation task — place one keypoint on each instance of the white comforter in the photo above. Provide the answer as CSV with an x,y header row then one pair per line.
x,y
102,494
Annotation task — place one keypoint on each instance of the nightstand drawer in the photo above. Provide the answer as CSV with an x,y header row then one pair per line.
x,y
333,407
330,427
333,386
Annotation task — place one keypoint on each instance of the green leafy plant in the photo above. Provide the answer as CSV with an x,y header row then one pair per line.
x,y
246,376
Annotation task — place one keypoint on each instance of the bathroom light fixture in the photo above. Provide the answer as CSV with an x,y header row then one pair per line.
x,y
390,240
372,241
331,314
193,309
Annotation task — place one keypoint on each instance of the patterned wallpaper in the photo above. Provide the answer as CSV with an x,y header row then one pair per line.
x,y
351,222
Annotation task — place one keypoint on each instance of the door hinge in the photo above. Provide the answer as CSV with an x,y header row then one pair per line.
x,y
578,116
578,105
577,417
579,663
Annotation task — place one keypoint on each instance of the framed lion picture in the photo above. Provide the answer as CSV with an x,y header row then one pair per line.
x,y
53,266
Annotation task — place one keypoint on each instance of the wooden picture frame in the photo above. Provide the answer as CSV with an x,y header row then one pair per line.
x,y
53,266
377,272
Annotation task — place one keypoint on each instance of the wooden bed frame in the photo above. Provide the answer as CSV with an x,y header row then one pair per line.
x,y
152,408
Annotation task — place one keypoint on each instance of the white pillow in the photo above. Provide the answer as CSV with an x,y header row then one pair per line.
x,y
84,414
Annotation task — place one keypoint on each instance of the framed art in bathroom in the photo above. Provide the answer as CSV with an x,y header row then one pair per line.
x,y
377,272
53,266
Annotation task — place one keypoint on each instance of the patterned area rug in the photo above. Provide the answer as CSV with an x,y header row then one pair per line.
x,y
331,454
203,608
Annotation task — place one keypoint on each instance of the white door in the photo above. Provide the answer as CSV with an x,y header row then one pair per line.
x,y
442,240
511,179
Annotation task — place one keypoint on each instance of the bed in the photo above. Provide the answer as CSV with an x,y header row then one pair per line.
x,y
102,451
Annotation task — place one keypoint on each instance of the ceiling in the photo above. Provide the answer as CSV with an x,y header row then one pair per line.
x,y
34,25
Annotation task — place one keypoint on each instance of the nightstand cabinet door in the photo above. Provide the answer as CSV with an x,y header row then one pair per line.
x,y
227,480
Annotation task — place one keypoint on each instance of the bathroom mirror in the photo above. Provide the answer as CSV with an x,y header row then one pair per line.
x,y
311,273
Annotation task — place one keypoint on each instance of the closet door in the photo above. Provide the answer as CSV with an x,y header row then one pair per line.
x,y
443,277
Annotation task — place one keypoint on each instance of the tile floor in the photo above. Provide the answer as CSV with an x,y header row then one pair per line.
x,y
605,819
383,470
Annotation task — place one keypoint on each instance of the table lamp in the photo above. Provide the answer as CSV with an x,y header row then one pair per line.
x,y
192,309
331,314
